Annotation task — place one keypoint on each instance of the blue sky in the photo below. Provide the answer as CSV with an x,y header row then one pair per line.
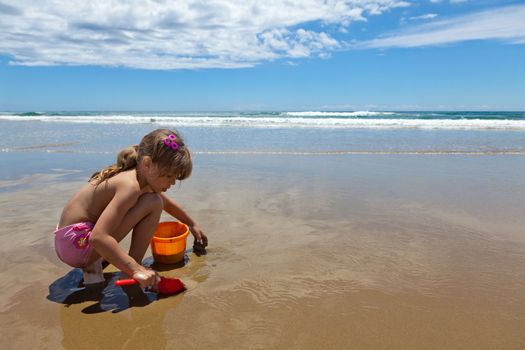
x,y
252,55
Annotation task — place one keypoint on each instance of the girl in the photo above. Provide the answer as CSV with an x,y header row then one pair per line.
x,y
123,197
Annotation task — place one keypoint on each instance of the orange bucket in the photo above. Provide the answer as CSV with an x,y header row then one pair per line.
x,y
169,242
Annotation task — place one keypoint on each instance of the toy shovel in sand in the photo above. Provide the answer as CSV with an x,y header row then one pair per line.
x,y
166,286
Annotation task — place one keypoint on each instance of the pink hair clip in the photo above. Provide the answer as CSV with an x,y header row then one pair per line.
x,y
170,142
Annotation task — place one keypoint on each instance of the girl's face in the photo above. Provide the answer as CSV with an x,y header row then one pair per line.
x,y
157,179
160,181
164,182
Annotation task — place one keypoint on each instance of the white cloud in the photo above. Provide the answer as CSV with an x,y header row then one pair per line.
x,y
505,24
426,16
161,34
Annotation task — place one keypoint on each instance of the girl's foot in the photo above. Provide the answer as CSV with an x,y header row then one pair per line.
x,y
93,273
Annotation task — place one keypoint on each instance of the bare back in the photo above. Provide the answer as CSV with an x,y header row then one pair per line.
x,y
91,200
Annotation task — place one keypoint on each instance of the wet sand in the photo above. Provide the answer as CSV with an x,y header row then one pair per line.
x,y
306,252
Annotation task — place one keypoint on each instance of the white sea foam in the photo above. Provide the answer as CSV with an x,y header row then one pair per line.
x,y
283,120
338,114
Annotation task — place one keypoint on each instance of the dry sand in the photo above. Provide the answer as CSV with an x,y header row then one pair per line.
x,y
333,252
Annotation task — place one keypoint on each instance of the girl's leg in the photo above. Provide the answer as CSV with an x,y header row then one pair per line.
x,y
144,229
143,219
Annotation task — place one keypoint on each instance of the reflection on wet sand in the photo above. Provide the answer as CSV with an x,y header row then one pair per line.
x,y
405,253
82,330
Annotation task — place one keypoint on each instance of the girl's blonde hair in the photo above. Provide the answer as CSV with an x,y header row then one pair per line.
x,y
170,162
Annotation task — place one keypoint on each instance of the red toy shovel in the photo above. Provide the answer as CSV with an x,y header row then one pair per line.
x,y
167,286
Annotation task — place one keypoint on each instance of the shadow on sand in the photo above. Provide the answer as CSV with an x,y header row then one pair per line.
x,y
70,289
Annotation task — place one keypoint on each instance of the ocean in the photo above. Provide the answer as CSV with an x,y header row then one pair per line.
x,y
308,119
35,142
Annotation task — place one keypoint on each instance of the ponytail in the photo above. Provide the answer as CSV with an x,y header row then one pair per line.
x,y
126,159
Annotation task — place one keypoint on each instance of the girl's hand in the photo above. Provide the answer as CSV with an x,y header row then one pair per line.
x,y
200,237
146,278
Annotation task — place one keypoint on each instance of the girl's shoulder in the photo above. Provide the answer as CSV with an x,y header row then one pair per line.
x,y
127,180
124,181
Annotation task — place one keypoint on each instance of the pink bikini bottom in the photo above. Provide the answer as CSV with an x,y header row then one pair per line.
x,y
72,243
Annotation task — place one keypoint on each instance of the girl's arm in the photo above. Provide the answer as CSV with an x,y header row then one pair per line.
x,y
175,210
107,246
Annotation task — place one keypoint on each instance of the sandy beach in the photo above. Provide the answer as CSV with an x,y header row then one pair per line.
x,y
306,252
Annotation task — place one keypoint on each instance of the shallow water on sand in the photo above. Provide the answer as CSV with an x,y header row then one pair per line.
x,y
306,252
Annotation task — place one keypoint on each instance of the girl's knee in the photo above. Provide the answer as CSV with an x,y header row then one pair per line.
x,y
152,201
